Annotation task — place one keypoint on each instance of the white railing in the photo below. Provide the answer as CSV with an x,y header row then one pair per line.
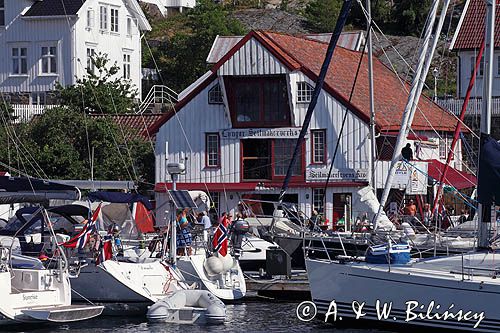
x,y
454,105
24,112
158,94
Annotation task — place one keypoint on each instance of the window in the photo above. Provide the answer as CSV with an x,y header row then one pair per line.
x,y
129,26
498,65
473,64
90,18
38,98
215,198
19,60
444,146
90,61
103,10
304,92
126,66
318,149
283,151
114,20
215,95
258,101
318,200
212,150
2,13
49,60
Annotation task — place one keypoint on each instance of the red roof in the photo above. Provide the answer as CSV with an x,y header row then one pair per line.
x,y
454,177
135,125
470,31
306,55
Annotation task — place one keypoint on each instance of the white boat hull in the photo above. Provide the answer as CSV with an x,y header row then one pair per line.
x,y
406,287
125,287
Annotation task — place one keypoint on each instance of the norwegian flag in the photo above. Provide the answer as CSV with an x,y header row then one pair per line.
x,y
221,238
80,240
106,252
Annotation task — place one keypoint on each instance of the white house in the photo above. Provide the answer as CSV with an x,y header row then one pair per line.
x,y
47,41
168,7
237,125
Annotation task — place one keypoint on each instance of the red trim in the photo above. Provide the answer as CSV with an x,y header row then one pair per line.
x,y
250,186
206,151
325,151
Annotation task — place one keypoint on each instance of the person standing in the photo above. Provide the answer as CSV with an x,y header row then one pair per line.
x,y
427,215
407,152
207,225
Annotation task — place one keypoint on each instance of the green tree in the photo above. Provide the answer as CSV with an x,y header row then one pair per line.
x,y
101,90
321,15
409,16
183,58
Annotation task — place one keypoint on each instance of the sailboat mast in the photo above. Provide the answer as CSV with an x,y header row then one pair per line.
x,y
372,102
484,211
406,121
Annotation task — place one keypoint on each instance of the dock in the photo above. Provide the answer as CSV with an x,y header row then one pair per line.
x,y
295,287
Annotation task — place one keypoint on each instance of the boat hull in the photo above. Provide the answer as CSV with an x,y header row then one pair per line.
x,y
413,296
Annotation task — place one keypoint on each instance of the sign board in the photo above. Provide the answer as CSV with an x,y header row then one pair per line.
x,y
260,133
413,178
316,175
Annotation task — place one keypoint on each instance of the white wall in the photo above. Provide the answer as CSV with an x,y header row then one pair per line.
x,y
466,59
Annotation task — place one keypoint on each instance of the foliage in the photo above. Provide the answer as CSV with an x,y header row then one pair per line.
x,y
321,15
101,90
410,15
183,56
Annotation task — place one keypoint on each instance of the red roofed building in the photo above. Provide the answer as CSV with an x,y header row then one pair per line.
x,y
237,126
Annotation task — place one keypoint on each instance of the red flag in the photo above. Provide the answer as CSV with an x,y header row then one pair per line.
x,y
106,250
221,237
143,218
83,236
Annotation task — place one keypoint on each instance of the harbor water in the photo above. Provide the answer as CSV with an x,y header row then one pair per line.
x,y
246,316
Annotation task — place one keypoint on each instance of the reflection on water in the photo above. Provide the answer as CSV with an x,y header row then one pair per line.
x,y
251,316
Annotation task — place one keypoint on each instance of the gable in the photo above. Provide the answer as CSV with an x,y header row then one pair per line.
x,y
252,58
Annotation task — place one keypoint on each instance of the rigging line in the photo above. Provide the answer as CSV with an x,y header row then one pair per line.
x,y
109,129
18,144
339,136
85,122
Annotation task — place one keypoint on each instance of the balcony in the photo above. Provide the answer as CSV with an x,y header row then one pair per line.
x,y
454,105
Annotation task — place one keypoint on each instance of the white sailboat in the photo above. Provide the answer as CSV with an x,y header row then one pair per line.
x,y
31,291
459,292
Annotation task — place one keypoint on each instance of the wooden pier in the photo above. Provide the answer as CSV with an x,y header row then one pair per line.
x,y
295,287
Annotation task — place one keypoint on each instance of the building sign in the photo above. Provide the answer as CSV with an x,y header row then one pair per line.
x,y
316,175
260,133
411,177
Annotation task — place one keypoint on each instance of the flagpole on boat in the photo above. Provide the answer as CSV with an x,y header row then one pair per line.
x,y
484,210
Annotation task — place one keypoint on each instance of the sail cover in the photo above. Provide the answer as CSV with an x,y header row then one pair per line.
x,y
489,171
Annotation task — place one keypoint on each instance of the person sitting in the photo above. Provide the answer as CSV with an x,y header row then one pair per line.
x,y
407,152
184,238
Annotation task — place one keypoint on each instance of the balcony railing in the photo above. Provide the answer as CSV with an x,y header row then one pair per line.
x,y
24,112
454,105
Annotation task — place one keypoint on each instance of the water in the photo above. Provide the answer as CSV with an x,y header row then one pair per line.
x,y
248,316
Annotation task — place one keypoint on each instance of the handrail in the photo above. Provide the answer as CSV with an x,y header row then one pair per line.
x,y
158,94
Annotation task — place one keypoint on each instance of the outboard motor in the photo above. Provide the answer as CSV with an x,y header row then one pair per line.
x,y
238,230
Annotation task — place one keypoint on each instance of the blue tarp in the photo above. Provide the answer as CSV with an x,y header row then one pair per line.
x,y
120,197
488,185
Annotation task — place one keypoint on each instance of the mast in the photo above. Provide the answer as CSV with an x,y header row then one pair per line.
x,y
424,64
372,102
346,6
484,211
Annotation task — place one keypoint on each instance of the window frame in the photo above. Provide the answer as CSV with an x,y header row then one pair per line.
x,y
129,26
90,55
126,65
103,18
480,71
216,90
207,152
90,18
313,146
261,81
2,14
301,92
50,59
19,57
321,211
114,22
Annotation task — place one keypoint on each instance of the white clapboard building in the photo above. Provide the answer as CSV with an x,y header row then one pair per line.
x,y
47,41
236,127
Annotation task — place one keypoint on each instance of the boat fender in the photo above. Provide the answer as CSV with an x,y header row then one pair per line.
x,y
227,262
213,265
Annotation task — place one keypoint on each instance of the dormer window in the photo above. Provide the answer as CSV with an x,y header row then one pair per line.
x,y
258,101
215,95
304,92
2,13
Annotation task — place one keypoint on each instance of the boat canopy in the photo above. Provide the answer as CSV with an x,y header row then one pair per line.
x,y
120,197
